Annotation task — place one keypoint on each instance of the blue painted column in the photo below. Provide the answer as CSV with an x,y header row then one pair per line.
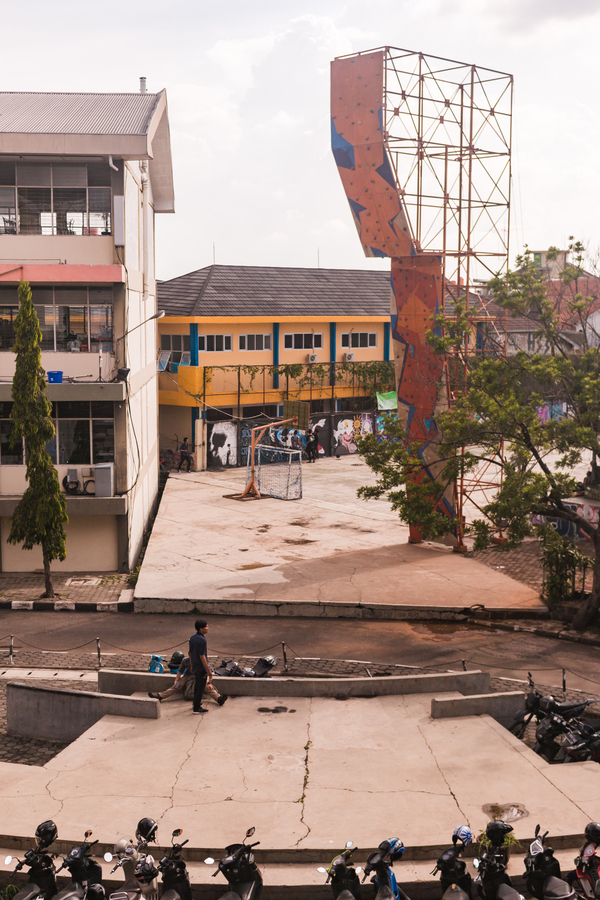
x,y
193,344
275,352
332,352
386,341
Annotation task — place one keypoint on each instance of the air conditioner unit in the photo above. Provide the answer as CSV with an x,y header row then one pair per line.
x,y
312,358
104,476
348,357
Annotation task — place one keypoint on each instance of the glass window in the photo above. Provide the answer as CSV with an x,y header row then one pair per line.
x,y
102,409
35,210
70,208
317,340
288,341
8,315
242,342
69,176
298,341
73,409
100,203
45,314
101,329
201,342
8,211
73,441
34,175
103,438
98,174
7,173
214,342
373,340
345,340
71,328
9,456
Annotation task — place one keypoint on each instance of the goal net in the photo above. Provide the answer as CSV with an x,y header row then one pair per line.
x,y
277,472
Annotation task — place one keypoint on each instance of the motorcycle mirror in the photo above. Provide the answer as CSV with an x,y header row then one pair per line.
x,y
209,861
177,832
537,830
108,857
88,834
8,861
321,870
476,863
348,844
250,831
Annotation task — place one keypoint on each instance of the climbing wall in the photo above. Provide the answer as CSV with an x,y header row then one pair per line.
x,y
417,284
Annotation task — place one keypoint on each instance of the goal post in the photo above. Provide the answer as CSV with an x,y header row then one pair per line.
x,y
252,490
277,472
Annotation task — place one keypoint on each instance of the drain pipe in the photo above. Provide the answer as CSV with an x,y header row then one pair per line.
x,y
111,163
146,225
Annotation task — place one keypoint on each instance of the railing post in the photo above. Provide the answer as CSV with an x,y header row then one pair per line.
x,y
99,653
285,665
10,651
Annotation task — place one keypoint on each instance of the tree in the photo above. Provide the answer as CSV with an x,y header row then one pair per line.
x,y
42,510
495,418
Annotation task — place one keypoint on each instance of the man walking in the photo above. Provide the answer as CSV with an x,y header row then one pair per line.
x,y
199,663
184,451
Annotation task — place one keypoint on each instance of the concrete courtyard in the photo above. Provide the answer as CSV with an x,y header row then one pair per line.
x,y
328,549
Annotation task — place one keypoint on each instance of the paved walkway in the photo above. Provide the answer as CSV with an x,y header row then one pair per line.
x,y
328,548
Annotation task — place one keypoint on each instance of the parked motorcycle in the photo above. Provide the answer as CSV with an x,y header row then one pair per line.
x,y
540,865
84,872
42,872
344,879
584,878
139,870
538,707
452,869
582,743
492,881
261,669
172,867
240,870
380,862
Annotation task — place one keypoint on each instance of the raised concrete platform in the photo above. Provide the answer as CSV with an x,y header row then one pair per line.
x,y
116,681
328,554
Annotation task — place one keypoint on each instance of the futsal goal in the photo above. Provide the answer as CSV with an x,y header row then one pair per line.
x,y
277,472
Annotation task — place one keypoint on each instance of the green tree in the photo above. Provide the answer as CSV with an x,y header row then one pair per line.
x,y
42,510
494,418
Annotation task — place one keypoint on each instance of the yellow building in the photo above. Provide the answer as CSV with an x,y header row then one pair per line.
x,y
236,341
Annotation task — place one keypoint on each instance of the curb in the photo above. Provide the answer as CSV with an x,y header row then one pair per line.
x,y
572,637
123,605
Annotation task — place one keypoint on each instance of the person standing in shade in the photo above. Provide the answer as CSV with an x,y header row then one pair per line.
x,y
312,444
184,451
199,662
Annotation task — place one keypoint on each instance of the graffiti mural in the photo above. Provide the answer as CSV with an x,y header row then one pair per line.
x,y
322,425
222,444
347,429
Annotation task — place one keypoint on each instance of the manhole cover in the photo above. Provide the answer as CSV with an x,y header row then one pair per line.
x,y
507,812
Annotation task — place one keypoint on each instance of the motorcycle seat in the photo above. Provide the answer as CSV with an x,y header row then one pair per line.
x,y
566,708
30,891
506,892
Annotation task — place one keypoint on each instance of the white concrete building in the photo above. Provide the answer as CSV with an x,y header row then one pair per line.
x,y
81,178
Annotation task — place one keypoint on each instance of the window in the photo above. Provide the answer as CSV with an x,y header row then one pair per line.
x,y
84,435
214,342
309,341
55,199
255,342
357,339
72,320
178,344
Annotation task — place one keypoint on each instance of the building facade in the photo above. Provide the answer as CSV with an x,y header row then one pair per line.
x,y
81,179
237,341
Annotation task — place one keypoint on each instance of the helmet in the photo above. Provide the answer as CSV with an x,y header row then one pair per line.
x,y
124,847
396,848
592,832
46,833
176,659
496,832
463,834
146,830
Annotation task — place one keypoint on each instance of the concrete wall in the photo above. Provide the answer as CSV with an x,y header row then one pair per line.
x,y
501,706
55,714
91,547
115,681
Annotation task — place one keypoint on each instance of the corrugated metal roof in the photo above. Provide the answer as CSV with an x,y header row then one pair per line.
x,y
36,113
274,291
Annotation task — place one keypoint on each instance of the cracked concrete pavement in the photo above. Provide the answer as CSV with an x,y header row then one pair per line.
x,y
207,547
308,777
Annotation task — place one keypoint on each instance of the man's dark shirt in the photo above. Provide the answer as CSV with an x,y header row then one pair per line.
x,y
197,649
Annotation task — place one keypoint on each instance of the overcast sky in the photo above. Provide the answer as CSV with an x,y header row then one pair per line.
x,y
248,93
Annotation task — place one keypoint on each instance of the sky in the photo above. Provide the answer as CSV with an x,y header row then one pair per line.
x,y
248,94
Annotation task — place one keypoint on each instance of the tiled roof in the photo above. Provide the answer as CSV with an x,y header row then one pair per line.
x,y
270,291
50,113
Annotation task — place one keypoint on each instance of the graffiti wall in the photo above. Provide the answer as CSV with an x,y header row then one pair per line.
x,y
587,509
222,444
347,429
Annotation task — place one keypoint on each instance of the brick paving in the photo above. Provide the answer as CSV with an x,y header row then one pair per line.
x,y
523,563
94,587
